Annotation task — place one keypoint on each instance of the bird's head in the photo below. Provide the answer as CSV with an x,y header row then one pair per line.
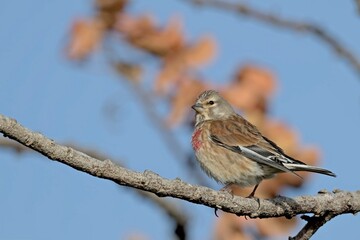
x,y
211,106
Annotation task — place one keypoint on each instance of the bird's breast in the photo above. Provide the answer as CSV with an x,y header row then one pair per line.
x,y
196,140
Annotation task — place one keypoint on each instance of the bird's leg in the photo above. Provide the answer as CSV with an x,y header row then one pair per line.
x,y
252,195
226,189
215,212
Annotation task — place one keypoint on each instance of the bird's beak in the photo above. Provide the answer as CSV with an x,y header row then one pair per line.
x,y
197,107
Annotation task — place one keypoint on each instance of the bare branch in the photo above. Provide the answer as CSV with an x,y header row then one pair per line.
x,y
323,204
177,215
275,20
313,224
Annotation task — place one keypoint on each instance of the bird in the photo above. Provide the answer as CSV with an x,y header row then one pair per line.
x,y
231,150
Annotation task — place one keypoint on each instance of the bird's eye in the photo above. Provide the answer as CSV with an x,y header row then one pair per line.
x,y
211,102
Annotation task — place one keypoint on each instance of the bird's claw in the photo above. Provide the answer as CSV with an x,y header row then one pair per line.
x,y
215,211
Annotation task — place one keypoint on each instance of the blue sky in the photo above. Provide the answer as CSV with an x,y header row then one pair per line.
x,y
40,199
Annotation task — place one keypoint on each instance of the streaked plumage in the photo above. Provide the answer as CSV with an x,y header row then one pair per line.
x,y
232,150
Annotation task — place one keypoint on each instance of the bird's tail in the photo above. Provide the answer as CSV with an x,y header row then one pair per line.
x,y
307,168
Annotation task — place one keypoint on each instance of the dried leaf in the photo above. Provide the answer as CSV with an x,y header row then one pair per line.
x,y
111,5
186,93
260,80
170,73
142,33
134,28
239,96
201,52
85,37
171,37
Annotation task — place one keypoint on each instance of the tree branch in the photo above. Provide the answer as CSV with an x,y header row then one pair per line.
x,y
336,203
273,19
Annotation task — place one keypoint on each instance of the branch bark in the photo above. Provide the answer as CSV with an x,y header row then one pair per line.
x,y
335,203
270,18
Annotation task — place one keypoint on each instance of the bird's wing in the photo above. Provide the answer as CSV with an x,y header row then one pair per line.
x,y
237,131
238,135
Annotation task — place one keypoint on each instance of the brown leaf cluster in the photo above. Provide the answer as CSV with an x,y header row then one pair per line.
x,y
250,91
251,88
142,32
185,93
167,43
85,37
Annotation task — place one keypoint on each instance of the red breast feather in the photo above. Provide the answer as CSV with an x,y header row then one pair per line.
x,y
195,140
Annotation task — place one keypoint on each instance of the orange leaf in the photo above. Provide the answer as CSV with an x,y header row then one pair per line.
x,y
260,80
239,96
134,28
186,93
142,33
201,52
85,37
169,74
111,5
171,36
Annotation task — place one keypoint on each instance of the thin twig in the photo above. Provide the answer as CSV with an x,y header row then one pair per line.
x,y
275,20
338,202
177,215
313,224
